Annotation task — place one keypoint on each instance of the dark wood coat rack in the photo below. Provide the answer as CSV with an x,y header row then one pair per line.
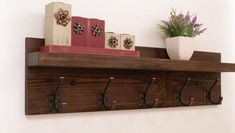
x,y
64,83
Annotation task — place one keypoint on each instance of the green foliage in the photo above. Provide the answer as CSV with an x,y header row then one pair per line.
x,y
181,25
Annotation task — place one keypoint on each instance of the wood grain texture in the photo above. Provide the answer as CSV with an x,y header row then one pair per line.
x,y
201,61
82,85
128,63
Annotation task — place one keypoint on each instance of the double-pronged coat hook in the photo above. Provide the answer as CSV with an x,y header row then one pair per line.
x,y
209,92
103,99
144,98
54,98
179,94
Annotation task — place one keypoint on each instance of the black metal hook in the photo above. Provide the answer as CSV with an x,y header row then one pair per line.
x,y
54,98
102,98
209,96
179,94
143,99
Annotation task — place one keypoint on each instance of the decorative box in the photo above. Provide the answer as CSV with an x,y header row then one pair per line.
x,y
96,33
80,31
112,40
127,42
58,24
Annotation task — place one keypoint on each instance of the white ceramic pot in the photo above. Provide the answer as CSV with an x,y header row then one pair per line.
x,y
180,48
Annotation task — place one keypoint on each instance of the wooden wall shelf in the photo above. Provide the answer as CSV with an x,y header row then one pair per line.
x,y
57,82
112,62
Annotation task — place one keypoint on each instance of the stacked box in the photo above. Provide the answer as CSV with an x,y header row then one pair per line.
x,y
96,33
127,42
112,40
80,31
88,32
58,24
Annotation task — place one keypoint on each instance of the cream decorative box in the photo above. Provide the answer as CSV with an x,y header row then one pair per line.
x,y
58,24
127,42
112,40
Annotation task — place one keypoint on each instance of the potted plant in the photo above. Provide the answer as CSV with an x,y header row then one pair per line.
x,y
180,30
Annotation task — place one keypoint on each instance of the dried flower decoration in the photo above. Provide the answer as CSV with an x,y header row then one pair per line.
x,y
113,42
96,30
128,43
181,25
79,28
62,17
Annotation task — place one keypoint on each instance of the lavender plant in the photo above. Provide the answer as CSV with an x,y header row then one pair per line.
x,y
181,25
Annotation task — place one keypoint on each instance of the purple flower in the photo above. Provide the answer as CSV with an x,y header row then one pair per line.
x,y
194,20
181,25
180,17
168,24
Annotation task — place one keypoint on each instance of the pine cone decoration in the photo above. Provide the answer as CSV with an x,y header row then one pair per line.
x,y
96,30
128,43
62,17
113,42
79,28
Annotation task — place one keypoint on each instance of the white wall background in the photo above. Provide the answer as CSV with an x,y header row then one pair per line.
x,y
23,18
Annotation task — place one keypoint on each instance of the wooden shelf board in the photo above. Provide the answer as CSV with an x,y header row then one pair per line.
x,y
115,62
